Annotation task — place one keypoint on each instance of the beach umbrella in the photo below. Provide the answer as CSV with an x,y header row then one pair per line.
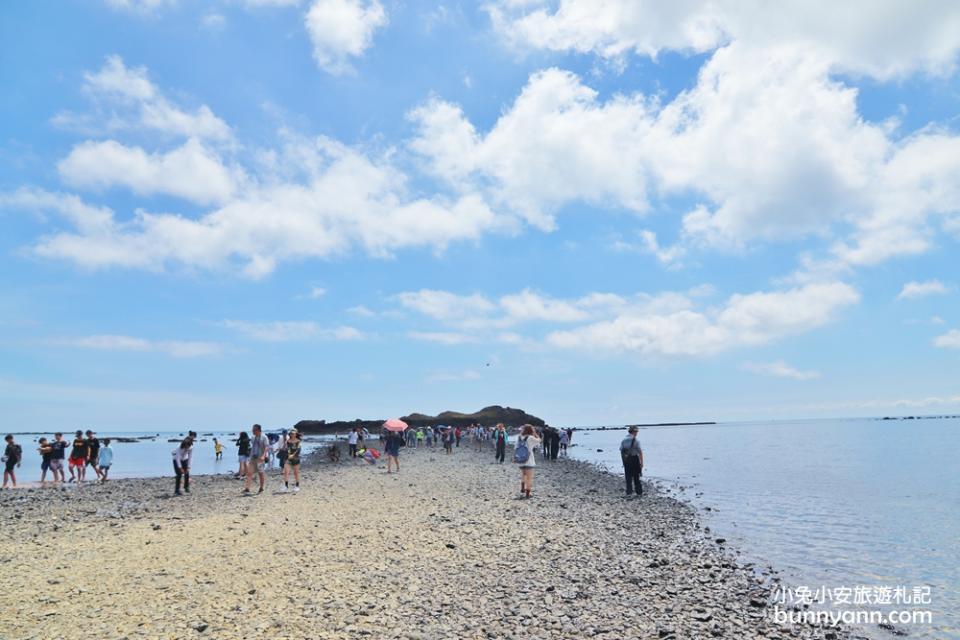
x,y
394,424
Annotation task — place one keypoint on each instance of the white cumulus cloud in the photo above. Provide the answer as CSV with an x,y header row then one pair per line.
x,y
744,320
341,30
125,99
949,340
780,369
914,289
140,6
190,171
771,145
292,331
175,348
442,337
325,199
664,324
883,40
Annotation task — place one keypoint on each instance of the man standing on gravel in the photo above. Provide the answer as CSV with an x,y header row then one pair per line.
x,y
501,442
58,454
259,446
632,456
352,438
93,452
78,458
12,456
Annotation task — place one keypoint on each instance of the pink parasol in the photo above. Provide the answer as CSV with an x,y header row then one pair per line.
x,y
394,424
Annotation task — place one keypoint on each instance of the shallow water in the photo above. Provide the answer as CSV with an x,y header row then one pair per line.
x,y
149,458
835,503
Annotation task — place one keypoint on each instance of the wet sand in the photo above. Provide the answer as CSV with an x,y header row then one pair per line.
x,y
444,549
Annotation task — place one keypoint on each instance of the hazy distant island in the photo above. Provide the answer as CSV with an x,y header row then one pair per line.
x,y
646,424
487,416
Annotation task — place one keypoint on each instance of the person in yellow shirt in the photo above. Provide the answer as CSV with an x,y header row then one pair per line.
x,y
218,449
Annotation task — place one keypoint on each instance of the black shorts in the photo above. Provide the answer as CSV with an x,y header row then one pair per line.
x,y
10,465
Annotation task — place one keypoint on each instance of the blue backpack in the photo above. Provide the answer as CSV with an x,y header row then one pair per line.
x,y
522,453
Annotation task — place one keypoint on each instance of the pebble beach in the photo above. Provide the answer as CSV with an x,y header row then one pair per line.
x,y
444,549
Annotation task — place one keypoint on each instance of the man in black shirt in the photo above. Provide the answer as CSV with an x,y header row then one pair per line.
x,y
45,451
93,452
78,458
58,450
12,456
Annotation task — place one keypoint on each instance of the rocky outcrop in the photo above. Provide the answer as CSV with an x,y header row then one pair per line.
x,y
487,416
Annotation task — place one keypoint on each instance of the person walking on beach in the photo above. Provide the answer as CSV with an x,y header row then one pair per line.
x,y
458,434
554,443
392,447
282,449
45,451
411,437
78,458
500,437
217,450
523,455
93,453
352,438
449,436
631,453
58,453
564,441
259,447
292,462
181,464
106,459
243,454
12,457
478,436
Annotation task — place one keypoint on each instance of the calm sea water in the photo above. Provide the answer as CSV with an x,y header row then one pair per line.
x,y
830,503
149,458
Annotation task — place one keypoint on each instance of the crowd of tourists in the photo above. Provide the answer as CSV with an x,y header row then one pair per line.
x,y
257,451
86,451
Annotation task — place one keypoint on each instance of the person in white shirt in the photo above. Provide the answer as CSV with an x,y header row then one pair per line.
x,y
280,449
181,464
106,459
352,439
527,440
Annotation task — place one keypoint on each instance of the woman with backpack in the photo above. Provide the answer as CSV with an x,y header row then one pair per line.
x,y
12,456
523,455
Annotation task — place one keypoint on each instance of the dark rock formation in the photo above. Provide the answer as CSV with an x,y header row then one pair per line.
x,y
487,416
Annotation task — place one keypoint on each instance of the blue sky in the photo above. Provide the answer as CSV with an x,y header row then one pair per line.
x,y
267,210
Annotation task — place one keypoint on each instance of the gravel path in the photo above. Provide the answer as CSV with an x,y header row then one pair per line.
x,y
445,549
